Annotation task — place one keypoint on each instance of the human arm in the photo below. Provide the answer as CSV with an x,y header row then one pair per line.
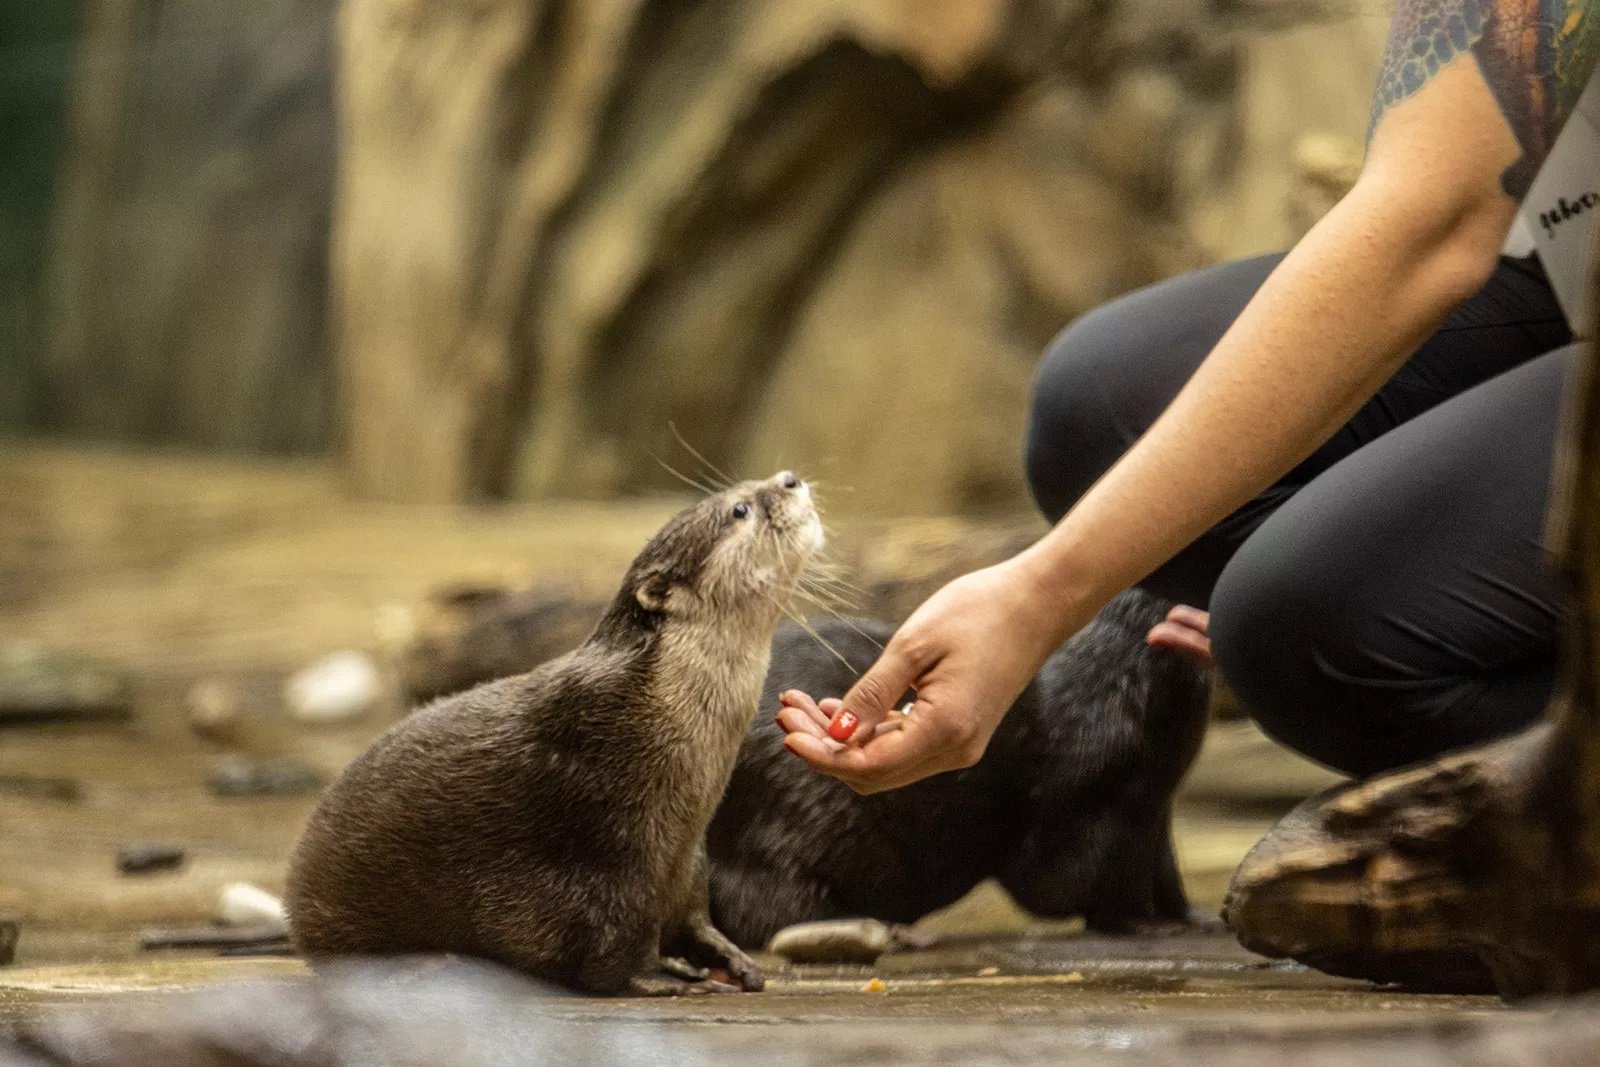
x,y
1451,148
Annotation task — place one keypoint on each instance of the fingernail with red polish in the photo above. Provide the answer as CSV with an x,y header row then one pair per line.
x,y
841,728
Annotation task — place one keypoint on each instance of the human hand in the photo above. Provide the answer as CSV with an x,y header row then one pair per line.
x,y
968,651
1186,631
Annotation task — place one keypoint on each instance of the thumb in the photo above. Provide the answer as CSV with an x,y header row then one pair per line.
x,y
870,700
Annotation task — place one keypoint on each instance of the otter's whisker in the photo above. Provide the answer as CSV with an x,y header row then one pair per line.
x,y
800,621
684,478
826,595
874,642
826,570
727,481
825,574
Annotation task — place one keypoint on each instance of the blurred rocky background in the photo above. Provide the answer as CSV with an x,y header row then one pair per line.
x,y
340,341
498,249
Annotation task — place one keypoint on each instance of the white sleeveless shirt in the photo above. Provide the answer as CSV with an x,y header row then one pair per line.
x,y
1557,217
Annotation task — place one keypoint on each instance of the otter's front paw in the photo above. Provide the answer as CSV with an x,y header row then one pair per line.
x,y
712,946
742,970
682,968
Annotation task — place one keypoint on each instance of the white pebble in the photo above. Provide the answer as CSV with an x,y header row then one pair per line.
x,y
833,941
243,904
340,687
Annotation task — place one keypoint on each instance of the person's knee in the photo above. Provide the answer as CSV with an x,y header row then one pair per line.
x,y
1269,631
1074,430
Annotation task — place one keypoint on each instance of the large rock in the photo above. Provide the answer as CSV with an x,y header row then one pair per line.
x,y
823,233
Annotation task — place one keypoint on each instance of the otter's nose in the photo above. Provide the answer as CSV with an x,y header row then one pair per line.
x,y
788,479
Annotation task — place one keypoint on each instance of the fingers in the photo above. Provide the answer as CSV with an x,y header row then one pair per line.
x,y
897,756
795,721
873,696
894,722
1184,631
798,712
815,750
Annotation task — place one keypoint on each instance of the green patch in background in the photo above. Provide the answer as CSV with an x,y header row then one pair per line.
x,y
38,45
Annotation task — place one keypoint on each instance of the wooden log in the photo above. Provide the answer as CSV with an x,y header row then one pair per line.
x,y
1477,870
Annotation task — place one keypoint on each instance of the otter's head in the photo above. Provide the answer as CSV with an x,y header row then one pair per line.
x,y
734,556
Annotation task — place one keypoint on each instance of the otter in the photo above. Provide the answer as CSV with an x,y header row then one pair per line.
x,y
1069,808
554,821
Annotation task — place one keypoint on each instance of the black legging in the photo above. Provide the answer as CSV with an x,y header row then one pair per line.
x,y
1390,598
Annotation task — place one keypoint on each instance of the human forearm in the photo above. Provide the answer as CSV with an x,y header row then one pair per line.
x,y
1331,324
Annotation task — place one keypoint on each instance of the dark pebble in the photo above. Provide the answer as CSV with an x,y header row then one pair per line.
x,y
240,777
142,859
26,785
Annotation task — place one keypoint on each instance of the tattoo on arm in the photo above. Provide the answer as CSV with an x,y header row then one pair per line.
x,y
1535,55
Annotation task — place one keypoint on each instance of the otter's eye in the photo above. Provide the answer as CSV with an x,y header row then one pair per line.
x,y
741,510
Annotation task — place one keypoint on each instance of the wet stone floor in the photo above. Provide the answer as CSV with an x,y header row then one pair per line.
x,y
996,987
993,999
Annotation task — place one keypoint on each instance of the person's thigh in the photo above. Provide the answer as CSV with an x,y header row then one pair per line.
x,y
1111,373
1106,377
1402,603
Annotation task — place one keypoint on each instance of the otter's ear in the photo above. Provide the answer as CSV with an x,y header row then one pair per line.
x,y
653,592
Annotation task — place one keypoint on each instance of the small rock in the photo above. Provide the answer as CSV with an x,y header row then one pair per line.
x,y
255,937
833,941
142,859
336,689
240,777
213,707
243,904
39,683
875,985
10,932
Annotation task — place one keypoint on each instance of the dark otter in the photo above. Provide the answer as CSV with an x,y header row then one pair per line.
x,y
1070,807
554,821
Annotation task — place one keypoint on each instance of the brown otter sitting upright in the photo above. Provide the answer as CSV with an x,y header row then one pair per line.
x,y
555,821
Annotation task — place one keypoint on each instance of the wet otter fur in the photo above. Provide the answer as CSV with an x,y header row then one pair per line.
x,y
554,821
1070,807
